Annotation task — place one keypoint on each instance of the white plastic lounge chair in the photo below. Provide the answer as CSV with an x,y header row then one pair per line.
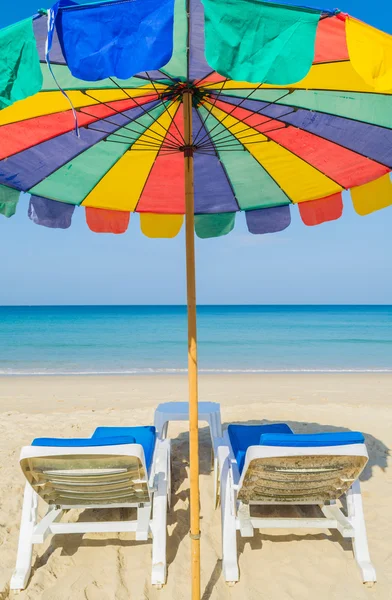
x,y
270,465
116,467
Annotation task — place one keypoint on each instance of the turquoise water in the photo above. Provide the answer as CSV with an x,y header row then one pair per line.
x,y
152,339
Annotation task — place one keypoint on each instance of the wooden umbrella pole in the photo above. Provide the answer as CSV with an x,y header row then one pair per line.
x,y
192,346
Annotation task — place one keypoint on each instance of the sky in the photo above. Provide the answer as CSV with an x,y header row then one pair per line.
x,y
343,262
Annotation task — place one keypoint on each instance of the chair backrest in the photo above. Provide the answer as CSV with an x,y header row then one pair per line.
x,y
87,477
310,475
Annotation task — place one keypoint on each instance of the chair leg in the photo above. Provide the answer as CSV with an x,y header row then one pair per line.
x,y
229,532
360,543
25,547
159,519
143,522
216,481
169,482
246,527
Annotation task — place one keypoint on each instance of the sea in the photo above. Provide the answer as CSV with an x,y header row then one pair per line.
x,y
68,340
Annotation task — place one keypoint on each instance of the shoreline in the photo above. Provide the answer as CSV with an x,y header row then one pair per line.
x,y
212,372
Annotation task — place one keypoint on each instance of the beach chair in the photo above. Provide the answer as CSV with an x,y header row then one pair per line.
x,y
117,467
270,465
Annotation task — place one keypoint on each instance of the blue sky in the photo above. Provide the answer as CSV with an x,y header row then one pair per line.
x,y
347,261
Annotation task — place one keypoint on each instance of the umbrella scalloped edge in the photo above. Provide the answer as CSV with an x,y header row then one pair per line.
x,y
368,198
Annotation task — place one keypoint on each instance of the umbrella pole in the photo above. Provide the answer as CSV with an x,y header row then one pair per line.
x,y
192,347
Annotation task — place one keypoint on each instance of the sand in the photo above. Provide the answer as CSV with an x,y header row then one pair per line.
x,y
278,565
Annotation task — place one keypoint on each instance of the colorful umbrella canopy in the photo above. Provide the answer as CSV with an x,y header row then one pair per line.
x,y
320,122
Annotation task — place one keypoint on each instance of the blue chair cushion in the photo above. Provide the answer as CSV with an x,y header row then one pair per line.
x,y
243,436
83,442
306,440
142,435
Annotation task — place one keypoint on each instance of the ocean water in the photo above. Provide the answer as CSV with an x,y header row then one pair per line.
x,y
153,339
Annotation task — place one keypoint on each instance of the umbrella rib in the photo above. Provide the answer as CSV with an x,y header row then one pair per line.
x,y
131,140
213,85
228,114
242,120
139,133
314,89
154,120
167,151
221,150
235,146
252,114
248,143
199,83
140,76
141,106
138,149
167,75
228,138
222,143
172,121
128,87
209,113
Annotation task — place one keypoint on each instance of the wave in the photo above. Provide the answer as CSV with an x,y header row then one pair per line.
x,y
175,371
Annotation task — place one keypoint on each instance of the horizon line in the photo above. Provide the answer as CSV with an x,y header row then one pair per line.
x,y
338,304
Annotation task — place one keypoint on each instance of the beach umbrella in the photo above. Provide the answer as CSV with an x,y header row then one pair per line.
x,y
171,108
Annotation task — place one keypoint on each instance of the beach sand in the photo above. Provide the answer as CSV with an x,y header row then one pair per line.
x,y
276,565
